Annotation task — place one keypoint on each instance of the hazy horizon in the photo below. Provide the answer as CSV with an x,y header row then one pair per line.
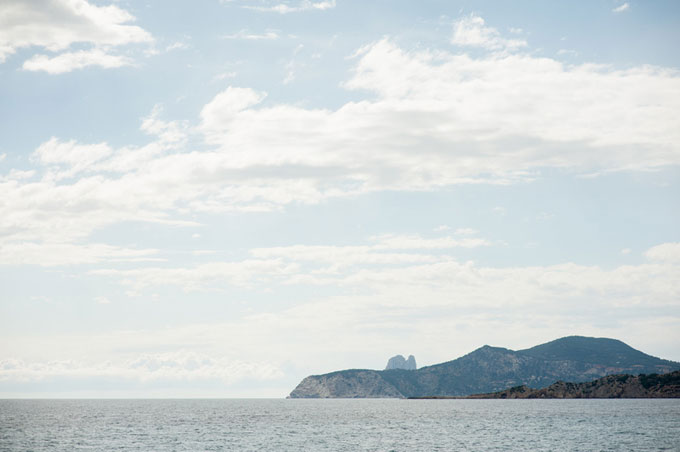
x,y
217,199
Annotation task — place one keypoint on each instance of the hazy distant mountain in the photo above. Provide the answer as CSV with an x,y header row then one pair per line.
x,y
490,369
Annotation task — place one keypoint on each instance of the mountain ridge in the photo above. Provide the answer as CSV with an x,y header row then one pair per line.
x,y
490,369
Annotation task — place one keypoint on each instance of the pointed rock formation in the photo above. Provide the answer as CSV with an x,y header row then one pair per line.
x,y
398,362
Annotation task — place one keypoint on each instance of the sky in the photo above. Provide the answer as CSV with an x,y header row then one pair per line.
x,y
219,198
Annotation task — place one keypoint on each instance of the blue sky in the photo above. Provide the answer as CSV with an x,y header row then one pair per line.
x,y
216,199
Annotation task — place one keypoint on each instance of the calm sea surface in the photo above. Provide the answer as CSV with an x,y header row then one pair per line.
x,y
339,425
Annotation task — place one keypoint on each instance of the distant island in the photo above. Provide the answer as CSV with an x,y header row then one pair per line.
x,y
624,386
491,370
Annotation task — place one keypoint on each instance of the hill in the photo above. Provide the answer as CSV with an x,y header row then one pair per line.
x,y
609,387
491,369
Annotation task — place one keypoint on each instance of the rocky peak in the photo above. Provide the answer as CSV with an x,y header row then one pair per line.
x,y
399,362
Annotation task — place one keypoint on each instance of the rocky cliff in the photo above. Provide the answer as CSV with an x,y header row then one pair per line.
x,y
349,383
490,369
609,387
398,362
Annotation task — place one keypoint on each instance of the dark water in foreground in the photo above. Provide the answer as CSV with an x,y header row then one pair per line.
x,y
339,425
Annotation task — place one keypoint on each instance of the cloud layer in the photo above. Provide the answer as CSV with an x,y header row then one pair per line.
x,y
173,366
55,25
433,119
442,306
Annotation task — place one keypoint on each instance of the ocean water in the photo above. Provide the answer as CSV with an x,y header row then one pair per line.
x,y
339,425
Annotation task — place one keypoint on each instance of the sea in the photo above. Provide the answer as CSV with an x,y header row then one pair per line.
x,y
339,425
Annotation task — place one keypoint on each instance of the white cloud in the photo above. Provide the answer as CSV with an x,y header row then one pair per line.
x,y
181,365
433,119
429,304
445,105
471,31
396,242
440,307
446,282
474,94
86,186
387,271
304,5
67,62
179,45
621,8
224,107
57,24
294,264
246,273
170,133
245,35
329,259
102,300
666,252
48,254
381,244
77,157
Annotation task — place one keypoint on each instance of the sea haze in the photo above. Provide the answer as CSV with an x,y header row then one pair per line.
x,y
339,425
